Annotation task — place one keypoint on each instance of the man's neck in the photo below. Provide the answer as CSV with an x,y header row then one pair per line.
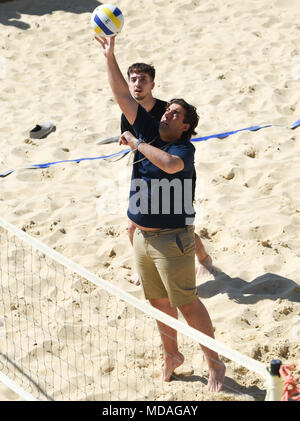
x,y
148,103
170,140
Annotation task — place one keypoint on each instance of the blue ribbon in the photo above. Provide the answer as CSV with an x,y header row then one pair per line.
x,y
49,164
295,125
126,151
226,134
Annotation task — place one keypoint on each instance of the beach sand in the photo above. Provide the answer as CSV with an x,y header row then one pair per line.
x,y
239,64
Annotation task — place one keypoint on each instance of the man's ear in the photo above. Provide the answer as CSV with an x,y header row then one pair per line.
x,y
187,125
153,85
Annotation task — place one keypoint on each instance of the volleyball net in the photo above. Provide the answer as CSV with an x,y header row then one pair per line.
x,y
66,334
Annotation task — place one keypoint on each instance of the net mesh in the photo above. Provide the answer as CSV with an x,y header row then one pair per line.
x,y
63,337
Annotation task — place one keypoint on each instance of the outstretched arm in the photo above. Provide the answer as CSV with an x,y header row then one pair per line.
x,y
118,84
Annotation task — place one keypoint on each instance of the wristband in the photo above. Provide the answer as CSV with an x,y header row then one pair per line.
x,y
139,142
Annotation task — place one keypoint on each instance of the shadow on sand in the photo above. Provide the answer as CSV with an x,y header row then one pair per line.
x,y
269,286
11,11
230,386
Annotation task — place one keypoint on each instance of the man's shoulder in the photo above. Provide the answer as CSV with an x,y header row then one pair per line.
x,y
160,104
160,101
158,109
183,146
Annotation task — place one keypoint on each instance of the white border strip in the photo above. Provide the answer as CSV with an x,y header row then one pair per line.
x,y
185,329
17,389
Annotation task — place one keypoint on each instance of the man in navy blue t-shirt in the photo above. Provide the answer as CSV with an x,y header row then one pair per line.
x,y
161,207
151,205
141,82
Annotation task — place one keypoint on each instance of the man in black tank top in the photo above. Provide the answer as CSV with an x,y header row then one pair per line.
x,y
141,83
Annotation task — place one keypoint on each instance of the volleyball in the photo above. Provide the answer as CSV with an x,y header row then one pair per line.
x,y
107,20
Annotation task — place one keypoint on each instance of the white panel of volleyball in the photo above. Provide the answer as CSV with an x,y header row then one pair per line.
x,y
69,335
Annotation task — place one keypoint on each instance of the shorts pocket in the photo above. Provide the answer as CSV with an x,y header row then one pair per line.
x,y
185,242
179,243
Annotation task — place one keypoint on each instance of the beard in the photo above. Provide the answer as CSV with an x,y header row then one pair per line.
x,y
139,96
164,132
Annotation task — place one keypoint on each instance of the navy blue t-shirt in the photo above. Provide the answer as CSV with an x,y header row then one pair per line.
x,y
158,199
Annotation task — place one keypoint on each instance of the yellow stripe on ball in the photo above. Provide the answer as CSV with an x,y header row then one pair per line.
x,y
112,17
98,30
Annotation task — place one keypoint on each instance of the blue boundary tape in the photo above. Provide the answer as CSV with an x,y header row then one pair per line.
x,y
126,151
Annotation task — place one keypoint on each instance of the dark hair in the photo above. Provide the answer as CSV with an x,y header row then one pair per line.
x,y
141,68
191,116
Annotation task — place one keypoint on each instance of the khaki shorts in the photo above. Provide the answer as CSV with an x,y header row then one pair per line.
x,y
165,261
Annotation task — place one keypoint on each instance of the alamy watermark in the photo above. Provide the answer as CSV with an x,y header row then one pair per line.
x,y
161,197
295,331
2,67
155,197
296,68
2,327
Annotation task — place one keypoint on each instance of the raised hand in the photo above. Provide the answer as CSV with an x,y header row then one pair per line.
x,y
107,44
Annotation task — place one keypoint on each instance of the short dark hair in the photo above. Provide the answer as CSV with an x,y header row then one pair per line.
x,y
142,68
191,116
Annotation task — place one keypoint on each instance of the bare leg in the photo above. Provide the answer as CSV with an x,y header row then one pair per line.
x,y
173,358
205,266
131,229
197,317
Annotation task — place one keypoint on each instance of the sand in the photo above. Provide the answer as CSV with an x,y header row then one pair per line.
x,y
239,63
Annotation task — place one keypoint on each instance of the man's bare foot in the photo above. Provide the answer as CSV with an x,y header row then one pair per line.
x,y
216,377
135,279
171,363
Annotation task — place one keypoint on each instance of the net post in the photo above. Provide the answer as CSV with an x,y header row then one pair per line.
x,y
274,382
